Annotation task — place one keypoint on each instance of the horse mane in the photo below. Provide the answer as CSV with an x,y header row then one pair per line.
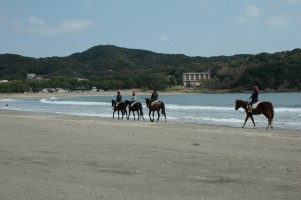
x,y
241,100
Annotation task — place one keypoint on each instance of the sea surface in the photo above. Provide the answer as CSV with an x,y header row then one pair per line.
x,y
208,109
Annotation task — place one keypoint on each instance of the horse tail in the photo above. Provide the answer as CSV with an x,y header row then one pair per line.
x,y
163,110
140,107
272,110
267,109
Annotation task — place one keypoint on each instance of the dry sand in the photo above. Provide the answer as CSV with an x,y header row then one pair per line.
x,y
48,156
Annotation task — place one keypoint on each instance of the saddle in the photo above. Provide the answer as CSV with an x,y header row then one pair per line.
x,y
133,103
154,102
254,105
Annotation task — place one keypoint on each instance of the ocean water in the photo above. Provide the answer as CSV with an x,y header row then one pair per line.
x,y
209,109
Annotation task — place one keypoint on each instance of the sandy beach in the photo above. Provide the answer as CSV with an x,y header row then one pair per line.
x,y
49,156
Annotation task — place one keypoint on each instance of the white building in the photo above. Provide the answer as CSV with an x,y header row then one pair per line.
x,y
193,79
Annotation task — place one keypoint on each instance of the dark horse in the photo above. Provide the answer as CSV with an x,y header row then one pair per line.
x,y
265,108
134,106
155,106
119,107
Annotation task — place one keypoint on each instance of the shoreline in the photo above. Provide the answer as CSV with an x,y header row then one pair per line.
x,y
131,121
21,113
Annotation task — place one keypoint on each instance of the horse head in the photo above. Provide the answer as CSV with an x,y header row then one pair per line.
x,y
113,102
239,104
147,100
127,102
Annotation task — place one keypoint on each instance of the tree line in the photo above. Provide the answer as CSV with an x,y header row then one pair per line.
x,y
109,67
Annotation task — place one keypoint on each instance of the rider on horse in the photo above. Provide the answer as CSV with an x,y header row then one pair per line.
x,y
133,97
253,97
118,98
154,97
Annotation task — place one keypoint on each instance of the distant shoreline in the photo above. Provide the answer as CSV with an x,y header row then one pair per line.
x,y
123,92
76,94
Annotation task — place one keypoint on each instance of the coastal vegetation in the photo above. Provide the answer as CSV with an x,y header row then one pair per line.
x,y
109,67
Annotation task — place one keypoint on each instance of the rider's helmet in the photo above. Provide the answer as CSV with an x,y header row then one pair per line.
x,y
255,88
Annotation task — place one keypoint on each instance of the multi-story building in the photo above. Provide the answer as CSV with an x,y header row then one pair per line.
x,y
193,79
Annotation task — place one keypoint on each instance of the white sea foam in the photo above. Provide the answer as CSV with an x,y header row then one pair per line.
x,y
10,100
283,109
193,107
84,103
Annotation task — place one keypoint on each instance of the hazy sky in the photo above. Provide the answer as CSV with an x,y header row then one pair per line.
x,y
45,28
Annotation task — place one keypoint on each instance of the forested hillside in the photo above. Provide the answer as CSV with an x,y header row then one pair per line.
x,y
110,67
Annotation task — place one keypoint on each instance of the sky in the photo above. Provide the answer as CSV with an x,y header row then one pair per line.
x,y
44,28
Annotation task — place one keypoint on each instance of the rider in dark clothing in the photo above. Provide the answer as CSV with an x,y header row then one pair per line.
x,y
154,97
118,97
253,97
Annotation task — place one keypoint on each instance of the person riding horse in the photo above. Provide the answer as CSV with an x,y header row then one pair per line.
x,y
133,106
133,97
154,97
118,105
118,97
253,97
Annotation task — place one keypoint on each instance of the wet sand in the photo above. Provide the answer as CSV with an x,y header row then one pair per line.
x,y
50,156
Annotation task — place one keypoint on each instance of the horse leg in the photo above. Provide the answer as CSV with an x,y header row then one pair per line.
x,y
138,114
164,115
118,114
247,117
124,113
142,116
149,114
270,123
129,114
134,115
251,116
152,113
158,112
114,113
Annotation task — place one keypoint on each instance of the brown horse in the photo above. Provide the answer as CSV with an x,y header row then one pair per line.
x,y
119,107
155,106
134,106
265,108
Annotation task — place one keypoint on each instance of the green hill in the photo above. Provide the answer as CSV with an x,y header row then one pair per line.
x,y
111,67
